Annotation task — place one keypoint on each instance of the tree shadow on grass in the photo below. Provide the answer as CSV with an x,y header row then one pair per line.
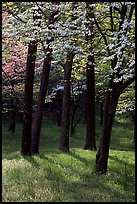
x,y
120,161
73,184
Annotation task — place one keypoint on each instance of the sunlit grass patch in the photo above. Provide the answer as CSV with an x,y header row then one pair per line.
x,y
55,176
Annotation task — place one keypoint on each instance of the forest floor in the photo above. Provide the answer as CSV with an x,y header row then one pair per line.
x,y
54,176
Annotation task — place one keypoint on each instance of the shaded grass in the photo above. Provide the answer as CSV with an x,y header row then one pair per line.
x,y
54,176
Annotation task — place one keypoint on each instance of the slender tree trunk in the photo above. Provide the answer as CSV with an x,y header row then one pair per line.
x,y
12,123
64,141
90,132
73,117
40,104
110,105
59,107
28,99
101,112
77,121
43,87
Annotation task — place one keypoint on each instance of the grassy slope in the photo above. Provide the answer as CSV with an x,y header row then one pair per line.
x,y
60,177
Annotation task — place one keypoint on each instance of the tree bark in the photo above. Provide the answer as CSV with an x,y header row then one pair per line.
x,y
64,141
59,106
28,99
90,131
40,104
108,118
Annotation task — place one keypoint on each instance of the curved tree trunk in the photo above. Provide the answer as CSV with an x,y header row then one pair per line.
x,y
40,104
28,99
64,141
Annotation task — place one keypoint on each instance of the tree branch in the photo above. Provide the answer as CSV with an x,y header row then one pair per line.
x,y
16,16
125,85
131,12
111,19
104,37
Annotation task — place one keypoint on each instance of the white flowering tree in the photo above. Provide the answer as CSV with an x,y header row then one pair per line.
x,y
53,16
118,37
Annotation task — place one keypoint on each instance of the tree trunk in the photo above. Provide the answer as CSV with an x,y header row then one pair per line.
x,y
113,93
59,106
28,99
43,87
64,141
73,117
90,132
12,123
101,112
40,104
110,105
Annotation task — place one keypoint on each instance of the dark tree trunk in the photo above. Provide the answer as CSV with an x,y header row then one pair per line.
x,y
101,112
40,104
59,106
112,95
12,123
28,99
90,131
73,122
12,116
64,141
43,87
110,104
90,111
73,117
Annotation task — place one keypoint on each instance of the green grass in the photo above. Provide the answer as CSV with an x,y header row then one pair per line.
x,y
54,176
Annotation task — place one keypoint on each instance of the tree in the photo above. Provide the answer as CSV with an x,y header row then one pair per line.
x,y
43,89
29,81
40,104
90,111
64,141
90,131
120,77
71,46
28,99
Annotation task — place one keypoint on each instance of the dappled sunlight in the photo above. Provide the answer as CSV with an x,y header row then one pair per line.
x,y
53,175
